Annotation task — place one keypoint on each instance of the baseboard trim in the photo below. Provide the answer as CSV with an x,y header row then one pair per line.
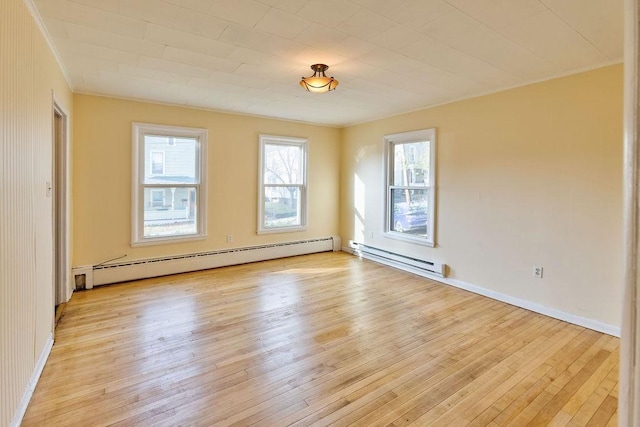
x,y
528,305
585,322
33,381
143,268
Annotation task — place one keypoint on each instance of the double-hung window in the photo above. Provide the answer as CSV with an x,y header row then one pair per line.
x,y
169,176
282,204
410,185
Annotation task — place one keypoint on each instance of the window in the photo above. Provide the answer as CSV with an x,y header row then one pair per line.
x,y
410,181
282,204
157,198
169,175
157,163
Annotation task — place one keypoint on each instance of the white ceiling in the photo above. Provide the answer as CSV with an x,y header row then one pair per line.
x,y
390,56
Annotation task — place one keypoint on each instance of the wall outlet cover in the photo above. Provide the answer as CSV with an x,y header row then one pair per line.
x,y
537,272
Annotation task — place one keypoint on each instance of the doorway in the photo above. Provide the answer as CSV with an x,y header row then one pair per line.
x,y
60,208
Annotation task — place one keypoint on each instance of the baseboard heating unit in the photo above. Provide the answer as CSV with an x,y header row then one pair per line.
x,y
154,267
403,262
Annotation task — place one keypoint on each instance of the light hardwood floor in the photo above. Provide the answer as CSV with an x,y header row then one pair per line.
x,y
319,339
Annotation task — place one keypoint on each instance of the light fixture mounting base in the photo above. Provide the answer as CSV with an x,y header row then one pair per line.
x,y
319,68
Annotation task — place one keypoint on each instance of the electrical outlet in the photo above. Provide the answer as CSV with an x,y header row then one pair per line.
x,y
537,272
229,238
371,234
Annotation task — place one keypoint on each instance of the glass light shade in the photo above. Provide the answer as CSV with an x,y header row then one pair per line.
x,y
318,82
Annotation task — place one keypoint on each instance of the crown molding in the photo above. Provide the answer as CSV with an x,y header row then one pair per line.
x,y
52,47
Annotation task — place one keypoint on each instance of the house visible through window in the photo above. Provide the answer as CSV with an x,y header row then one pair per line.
x,y
282,201
157,198
168,188
157,163
410,195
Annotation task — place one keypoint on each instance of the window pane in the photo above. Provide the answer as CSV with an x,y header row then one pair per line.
x,y
411,164
170,160
282,207
170,211
157,162
282,164
409,211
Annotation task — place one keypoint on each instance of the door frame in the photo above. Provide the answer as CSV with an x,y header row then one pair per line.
x,y
629,385
61,204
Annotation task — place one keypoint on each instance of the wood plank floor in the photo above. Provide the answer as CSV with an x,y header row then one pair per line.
x,y
317,340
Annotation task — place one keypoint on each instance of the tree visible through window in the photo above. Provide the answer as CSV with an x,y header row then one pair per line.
x,y
283,184
410,185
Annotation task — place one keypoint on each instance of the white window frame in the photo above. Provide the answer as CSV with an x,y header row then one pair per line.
x,y
139,130
389,143
282,140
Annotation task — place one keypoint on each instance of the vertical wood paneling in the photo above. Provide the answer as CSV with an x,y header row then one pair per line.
x,y
17,223
28,74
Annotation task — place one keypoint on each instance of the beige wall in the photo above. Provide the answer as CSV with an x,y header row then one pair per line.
x,y
529,176
29,76
526,176
102,177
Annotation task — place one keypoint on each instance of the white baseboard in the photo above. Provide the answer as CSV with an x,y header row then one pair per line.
x,y
136,269
532,306
528,305
33,381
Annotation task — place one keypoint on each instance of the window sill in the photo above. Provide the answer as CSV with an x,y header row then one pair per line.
x,y
167,240
409,239
282,230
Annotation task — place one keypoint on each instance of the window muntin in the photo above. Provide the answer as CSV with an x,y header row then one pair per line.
x,y
282,204
169,179
410,193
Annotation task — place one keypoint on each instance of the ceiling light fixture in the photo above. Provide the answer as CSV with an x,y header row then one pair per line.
x,y
319,82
